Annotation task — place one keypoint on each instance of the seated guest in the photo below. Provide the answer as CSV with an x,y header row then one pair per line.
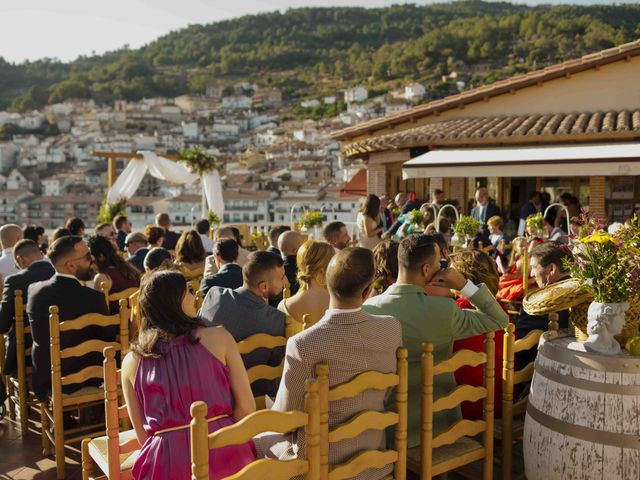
x,y
136,245
496,232
107,231
190,252
312,297
203,228
274,234
229,272
34,267
72,261
59,233
10,235
123,226
547,267
225,232
427,318
75,226
350,341
289,243
385,255
478,267
245,311
156,258
155,236
408,227
170,237
113,271
175,362
511,288
337,235
37,234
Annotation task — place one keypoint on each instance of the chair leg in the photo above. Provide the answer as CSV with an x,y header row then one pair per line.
x,y
44,428
24,409
87,461
11,394
58,437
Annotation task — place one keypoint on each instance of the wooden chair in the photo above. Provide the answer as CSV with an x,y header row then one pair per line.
x,y
116,297
52,412
199,299
262,421
455,447
511,428
115,452
365,420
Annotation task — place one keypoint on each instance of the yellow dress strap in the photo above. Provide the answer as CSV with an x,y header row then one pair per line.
x,y
184,427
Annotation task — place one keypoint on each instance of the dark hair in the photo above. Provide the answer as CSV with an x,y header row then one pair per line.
x,y
331,229
386,256
203,226
161,316
371,206
100,226
438,191
551,252
154,233
25,247
74,225
444,225
350,272
439,239
156,257
189,248
163,220
416,250
275,232
227,248
32,232
236,234
534,194
259,264
119,220
106,256
63,247
59,233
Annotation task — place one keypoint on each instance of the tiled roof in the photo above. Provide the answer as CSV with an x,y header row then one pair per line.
x,y
520,129
552,72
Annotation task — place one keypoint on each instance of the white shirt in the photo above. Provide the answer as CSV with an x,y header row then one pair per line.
x,y
7,264
469,289
207,243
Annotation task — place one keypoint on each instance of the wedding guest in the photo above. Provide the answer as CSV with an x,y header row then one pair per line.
x,y
350,341
289,243
410,226
437,198
496,232
136,245
37,234
157,258
113,271
427,318
229,272
190,252
34,267
367,220
385,213
155,235
245,311
385,255
173,363
312,297
485,208
170,237
123,226
511,288
533,206
75,226
59,233
274,234
107,231
225,232
203,227
337,235
72,261
10,235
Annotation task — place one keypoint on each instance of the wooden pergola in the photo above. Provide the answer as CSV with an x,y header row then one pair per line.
x,y
113,156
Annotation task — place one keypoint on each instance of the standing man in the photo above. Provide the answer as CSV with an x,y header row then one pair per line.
x,y
484,209
123,228
10,235
289,243
386,219
337,235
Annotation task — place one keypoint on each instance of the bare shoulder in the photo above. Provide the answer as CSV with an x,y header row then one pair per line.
x,y
215,336
130,364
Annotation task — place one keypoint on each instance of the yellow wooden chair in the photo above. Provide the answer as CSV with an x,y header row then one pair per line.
x,y
199,299
365,420
455,447
511,428
262,421
116,297
115,452
52,411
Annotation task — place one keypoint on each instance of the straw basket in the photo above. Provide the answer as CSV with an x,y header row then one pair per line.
x,y
578,318
555,298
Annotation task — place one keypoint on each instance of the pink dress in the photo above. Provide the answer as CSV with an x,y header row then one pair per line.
x,y
166,387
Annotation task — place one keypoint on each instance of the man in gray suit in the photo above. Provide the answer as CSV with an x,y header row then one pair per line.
x,y
245,311
350,341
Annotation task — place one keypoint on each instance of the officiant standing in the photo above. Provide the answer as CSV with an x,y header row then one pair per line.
x,y
484,209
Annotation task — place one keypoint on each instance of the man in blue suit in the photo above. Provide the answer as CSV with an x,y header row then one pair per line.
x,y
484,209
229,274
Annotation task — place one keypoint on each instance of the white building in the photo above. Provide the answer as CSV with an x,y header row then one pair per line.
x,y
310,103
414,91
239,102
357,94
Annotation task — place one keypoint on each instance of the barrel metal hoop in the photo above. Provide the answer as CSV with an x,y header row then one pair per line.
x,y
582,384
620,440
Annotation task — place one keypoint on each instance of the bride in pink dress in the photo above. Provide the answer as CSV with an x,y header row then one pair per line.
x,y
173,363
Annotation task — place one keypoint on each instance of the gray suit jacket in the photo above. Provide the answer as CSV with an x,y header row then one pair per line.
x,y
350,343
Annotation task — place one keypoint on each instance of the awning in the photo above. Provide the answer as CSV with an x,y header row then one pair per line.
x,y
552,161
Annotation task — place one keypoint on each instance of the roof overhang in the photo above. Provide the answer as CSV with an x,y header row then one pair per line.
x,y
552,161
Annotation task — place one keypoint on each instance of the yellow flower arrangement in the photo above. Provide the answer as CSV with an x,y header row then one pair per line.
x,y
600,236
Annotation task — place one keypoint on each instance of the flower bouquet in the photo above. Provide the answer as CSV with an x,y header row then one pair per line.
x,y
415,218
535,225
464,230
214,219
110,210
311,219
199,161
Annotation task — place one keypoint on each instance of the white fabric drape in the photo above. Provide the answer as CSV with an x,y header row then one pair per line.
x,y
164,169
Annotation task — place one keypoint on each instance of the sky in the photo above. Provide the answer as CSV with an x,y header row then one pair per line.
x,y
65,29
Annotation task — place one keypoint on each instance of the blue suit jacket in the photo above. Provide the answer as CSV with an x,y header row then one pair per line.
x,y
137,259
229,276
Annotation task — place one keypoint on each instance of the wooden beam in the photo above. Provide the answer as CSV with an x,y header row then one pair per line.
x,y
129,155
111,172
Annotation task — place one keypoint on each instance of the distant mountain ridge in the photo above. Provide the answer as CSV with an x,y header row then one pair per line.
x,y
315,51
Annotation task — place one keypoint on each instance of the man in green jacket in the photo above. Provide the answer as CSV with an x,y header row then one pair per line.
x,y
433,319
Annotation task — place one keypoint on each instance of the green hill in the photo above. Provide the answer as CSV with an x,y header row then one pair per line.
x,y
316,50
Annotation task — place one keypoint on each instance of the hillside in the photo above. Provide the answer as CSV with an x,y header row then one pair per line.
x,y
317,50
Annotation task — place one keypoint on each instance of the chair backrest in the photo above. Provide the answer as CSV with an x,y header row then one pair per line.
x,y
199,299
114,412
116,297
461,393
90,319
191,274
194,284
365,420
21,330
248,427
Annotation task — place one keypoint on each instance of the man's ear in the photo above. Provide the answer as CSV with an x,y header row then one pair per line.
x,y
367,291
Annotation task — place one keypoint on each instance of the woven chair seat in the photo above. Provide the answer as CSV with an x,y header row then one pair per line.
x,y
98,452
446,452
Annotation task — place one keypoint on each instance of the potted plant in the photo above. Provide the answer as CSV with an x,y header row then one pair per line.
x,y
311,219
535,225
464,230
110,210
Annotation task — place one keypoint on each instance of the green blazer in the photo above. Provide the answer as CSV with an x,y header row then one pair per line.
x,y
438,320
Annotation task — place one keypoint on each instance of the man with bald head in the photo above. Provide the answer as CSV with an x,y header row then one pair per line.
x,y
289,243
9,235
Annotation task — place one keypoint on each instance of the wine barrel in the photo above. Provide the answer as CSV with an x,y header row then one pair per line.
x,y
583,414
